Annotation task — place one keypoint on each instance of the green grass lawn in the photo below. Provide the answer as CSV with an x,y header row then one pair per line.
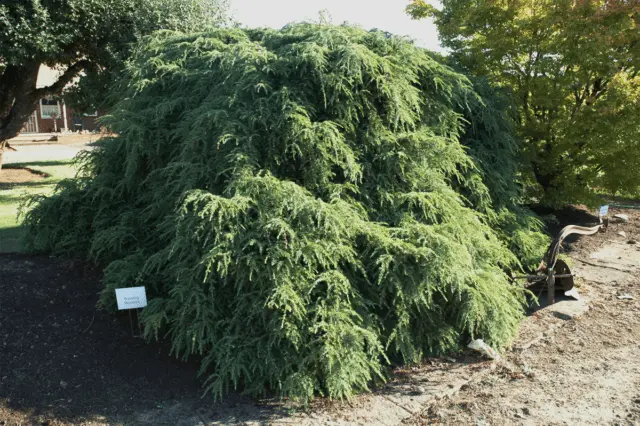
x,y
11,194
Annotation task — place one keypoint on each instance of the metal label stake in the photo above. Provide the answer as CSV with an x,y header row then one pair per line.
x,y
132,298
137,311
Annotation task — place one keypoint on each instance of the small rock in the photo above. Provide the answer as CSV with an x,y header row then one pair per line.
x,y
518,416
63,384
625,297
622,234
526,411
622,217
632,242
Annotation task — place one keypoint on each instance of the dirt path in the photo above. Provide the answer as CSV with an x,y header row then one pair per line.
x,y
586,372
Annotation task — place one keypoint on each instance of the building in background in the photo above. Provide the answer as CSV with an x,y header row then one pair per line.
x,y
53,115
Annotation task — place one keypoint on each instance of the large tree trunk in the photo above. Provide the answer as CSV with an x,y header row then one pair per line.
x,y
19,95
18,100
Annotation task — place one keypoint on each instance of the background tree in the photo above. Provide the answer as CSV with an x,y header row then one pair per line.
x,y
94,36
572,67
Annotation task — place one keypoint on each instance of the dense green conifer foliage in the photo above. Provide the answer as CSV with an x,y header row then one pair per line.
x,y
304,206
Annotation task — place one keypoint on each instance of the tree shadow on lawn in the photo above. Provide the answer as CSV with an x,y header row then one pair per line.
x,y
10,198
26,185
38,164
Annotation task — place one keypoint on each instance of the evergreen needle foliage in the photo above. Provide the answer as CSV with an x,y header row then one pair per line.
x,y
304,206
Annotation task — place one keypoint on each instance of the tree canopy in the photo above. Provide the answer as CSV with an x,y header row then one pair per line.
x,y
572,67
89,36
304,206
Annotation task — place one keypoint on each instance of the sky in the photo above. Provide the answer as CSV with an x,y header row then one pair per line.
x,y
387,15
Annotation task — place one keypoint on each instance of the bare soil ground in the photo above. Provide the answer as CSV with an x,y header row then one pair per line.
x,y
586,372
63,362
11,176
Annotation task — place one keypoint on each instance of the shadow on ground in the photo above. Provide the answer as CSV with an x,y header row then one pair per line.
x,y
38,164
25,185
555,220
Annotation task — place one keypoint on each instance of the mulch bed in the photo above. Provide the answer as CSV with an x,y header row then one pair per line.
x,y
63,358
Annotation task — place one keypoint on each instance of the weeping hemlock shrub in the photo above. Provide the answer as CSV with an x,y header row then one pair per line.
x,y
305,206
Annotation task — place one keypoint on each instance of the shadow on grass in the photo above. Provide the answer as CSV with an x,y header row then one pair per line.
x,y
11,240
38,164
10,198
26,185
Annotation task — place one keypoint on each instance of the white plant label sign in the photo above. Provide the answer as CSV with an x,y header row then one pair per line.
x,y
131,298
604,210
